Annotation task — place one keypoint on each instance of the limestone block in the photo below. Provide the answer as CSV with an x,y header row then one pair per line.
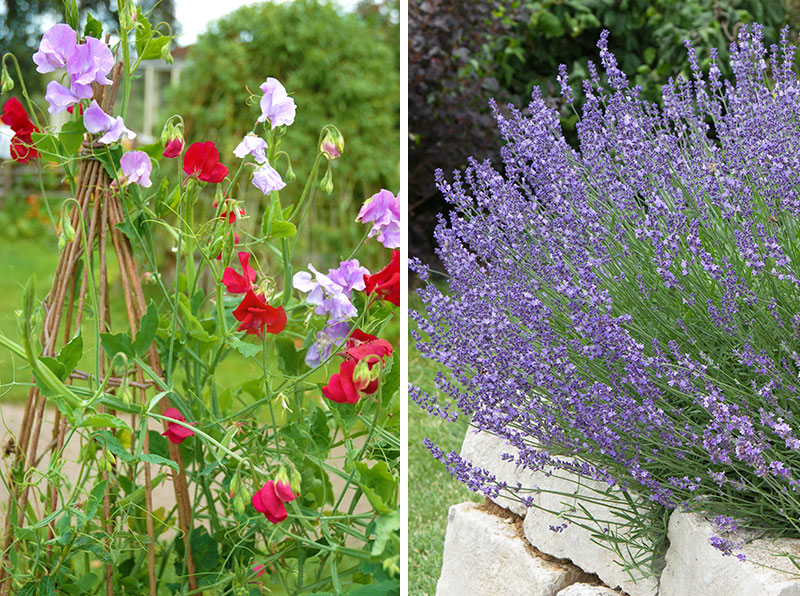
x,y
695,568
485,555
572,542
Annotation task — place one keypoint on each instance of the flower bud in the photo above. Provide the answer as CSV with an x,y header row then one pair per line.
x,y
332,144
6,82
363,375
327,181
172,137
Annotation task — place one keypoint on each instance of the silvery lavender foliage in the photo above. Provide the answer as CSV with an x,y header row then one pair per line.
x,y
631,311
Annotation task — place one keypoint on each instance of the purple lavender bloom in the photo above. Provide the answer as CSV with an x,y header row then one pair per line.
x,y
332,337
96,120
331,293
276,105
382,210
137,167
252,145
59,97
58,43
266,178
90,63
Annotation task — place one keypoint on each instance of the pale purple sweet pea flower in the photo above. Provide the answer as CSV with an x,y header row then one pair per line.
x,y
266,178
252,145
331,337
383,210
329,297
59,97
349,275
96,120
90,63
57,44
276,105
137,167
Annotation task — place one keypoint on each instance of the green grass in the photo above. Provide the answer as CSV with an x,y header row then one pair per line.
x,y
431,490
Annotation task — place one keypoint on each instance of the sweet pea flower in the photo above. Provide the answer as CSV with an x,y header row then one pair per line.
x,y
236,283
96,120
173,148
89,63
137,167
256,316
386,282
270,500
203,159
383,210
175,432
325,291
259,570
57,44
356,377
276,105
266,178
15,116
252,145
59,97
331,337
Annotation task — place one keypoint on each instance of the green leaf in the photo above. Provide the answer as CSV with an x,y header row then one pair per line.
x,y
289,358
152,458
95,497
103,421
391,380
105,439
54,365
379,485
153,150
93,28
283,229
71,136
117,343
384,588
70,354
147,330
245,348
46,144
549,24
385,527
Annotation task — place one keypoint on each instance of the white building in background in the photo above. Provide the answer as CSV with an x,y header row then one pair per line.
x,y
5,141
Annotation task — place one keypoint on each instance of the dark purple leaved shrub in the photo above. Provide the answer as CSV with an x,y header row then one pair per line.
x,y
630,311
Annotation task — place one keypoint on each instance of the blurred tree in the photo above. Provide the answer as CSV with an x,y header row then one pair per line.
x,y
341,68
22,24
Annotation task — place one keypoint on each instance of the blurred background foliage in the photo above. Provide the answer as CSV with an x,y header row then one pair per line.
x,y
464,52
341,68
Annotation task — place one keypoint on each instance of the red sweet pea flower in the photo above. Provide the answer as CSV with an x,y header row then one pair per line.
x,y
239,284
270,500
15,116
347,386
256,315
175,432
386,282
203,159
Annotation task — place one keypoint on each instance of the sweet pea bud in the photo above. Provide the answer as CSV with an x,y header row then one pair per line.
x,y
290,175
362,375
239,504
172,137
67,231
327,181
332,144
6,82
282,475
236,484
127,15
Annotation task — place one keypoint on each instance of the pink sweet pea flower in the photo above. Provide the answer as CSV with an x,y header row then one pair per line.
x,y
57,44
252,145
137,167
96,120
259,570
236,283
59,97
383,210
175,432
173,148
90,63
276,105
266,178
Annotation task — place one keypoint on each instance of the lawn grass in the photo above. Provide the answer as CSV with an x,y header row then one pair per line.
x,y
431,490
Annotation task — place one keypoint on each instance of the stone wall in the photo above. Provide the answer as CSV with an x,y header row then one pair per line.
x,y
512,550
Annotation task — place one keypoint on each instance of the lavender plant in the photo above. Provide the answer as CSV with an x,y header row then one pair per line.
x,y
629,311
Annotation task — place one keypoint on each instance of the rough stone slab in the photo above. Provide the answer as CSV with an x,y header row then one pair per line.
x,y
587,590
574,543
484,555
694,567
